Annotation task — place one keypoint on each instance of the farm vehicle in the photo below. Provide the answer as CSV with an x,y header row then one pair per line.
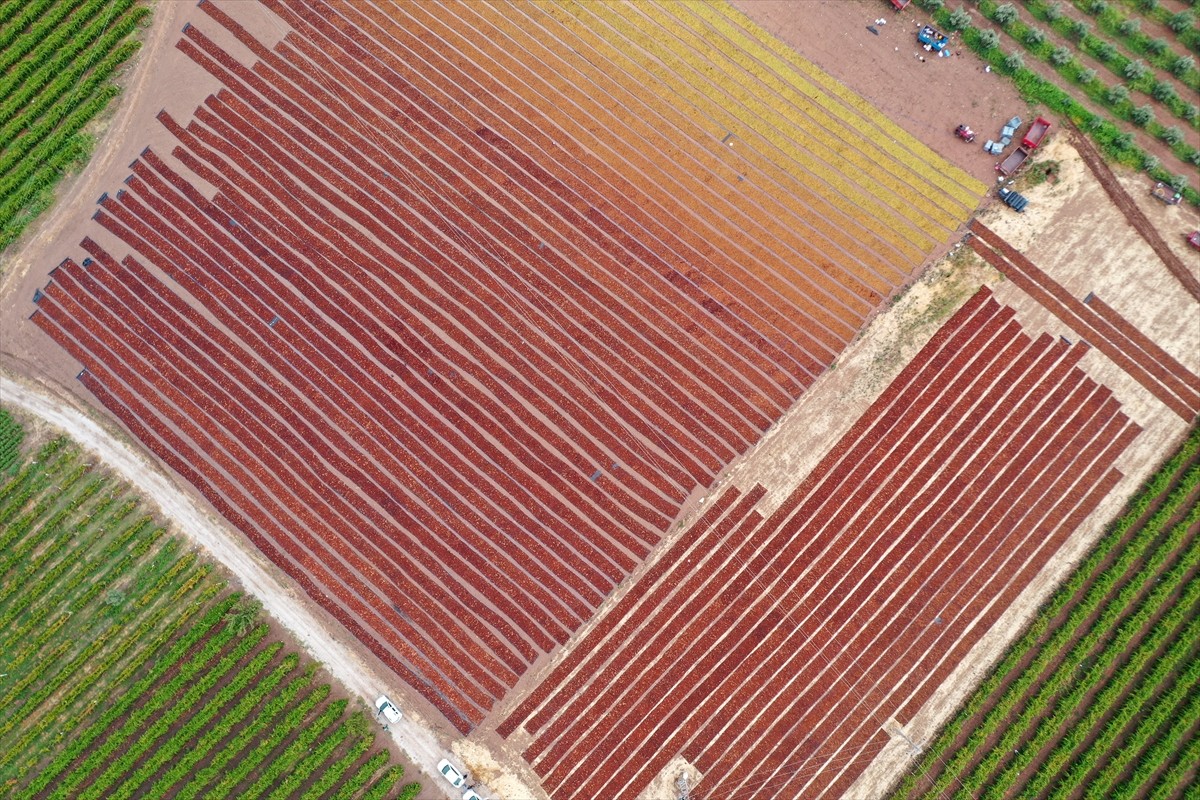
x,y
1037,132
1166,194
932,39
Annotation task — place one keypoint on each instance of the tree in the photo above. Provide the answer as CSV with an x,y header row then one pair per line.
x,y
242,616
1098,7
1053,11
1123,140
1178,182
1035,37
1182,66
1079,29
959,18
1189,112
1135,69
1106,51
1129,27
1150,162
1180,22
1116,94
1141,115
1172,135
1164,92
1060,56
1013,62
1006,14
1087,75
1157,46
989,39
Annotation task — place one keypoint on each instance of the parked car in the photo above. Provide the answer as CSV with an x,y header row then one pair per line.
x,y
469,794
451,774
388,709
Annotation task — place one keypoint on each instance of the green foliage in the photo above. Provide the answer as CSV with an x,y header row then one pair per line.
x,y
1005,14
1172,135
1129,27
57,61
1157,46
1116,94
1142,115
11,436
130,671
1163,91
1035,37
1086,75
989,39
959,19
1080,29
1013,61
1105,51
1180,22
1135,70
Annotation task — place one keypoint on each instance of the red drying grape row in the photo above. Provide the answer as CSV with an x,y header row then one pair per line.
x,y
1174,387
898,396
800,636
1182,374
451,371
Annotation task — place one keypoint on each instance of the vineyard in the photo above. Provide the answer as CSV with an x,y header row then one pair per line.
x,y
1135,94
130,670
771,652
57,61
466,320
1099,697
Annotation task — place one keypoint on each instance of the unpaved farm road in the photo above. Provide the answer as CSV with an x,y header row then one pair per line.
x,y
226,547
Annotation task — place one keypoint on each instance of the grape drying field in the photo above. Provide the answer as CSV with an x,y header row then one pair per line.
x,y
451,312
467,316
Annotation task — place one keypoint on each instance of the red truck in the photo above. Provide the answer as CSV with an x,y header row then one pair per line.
x,y
1014,161
1037,132
901,4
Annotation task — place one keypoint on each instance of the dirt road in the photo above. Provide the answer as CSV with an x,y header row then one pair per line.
x,y
226,546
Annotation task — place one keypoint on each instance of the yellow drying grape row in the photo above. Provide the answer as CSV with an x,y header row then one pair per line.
x,y
848,197
797,90
842,231
943,174
494,41
793,110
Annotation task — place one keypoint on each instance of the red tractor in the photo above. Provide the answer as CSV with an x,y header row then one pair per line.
x,y
964,133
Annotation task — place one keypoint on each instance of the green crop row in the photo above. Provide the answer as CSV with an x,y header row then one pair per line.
x,y
1072,688
1180,671
201,719
167,705
248,704
1110,563
85,738
57,58
287,761
1064,686
1179,742
55,46
11,436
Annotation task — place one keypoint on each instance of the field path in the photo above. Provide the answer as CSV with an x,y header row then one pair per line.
x,y
253,571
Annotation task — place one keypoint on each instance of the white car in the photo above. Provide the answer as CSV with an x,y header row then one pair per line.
x,y
388,709
469,794
451,774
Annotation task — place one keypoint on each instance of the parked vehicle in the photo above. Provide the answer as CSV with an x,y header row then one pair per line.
x,y
1166,194
388,709
1193,239
451,774
1014,200
1037,132
932,38
1014,161
470,794
964,133
900,5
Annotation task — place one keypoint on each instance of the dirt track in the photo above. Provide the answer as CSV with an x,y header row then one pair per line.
x,y
254,573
